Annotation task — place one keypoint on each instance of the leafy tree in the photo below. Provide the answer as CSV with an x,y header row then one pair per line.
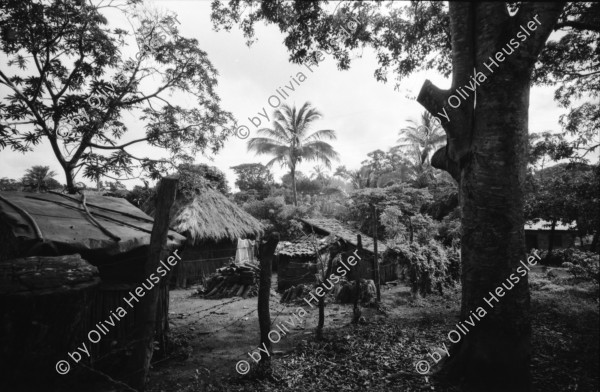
x,y
487,157
39,178
10,184
193,177
290,143
404,199
547,147
277,216
308,186
354,176
68,82
253,177
319,173
113,188
140,196
380,170
565,192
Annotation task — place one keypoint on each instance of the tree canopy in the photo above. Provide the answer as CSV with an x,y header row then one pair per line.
x,y
417,36
70,80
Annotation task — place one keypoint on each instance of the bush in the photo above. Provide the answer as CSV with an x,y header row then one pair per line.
x,y
584,265
427,267
278,216
449,230
559,257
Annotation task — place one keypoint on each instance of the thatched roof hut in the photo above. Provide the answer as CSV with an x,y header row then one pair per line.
x,y
212,225
210,215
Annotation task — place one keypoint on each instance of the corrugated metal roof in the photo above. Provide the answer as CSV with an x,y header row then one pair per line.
x,y
63,221
334,227
540,224
304,247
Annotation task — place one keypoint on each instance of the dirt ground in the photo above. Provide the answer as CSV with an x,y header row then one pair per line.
x,y
215,334
211,336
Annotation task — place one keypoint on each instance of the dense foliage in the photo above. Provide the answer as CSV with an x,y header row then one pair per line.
x,y
279,217
428,267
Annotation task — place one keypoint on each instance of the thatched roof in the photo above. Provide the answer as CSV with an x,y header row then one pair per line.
x,y
211,216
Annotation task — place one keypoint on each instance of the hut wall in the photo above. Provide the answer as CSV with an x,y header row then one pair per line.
x,y
42,304
364,267
540,239
201,260
110,353
293,270
387,272
10,244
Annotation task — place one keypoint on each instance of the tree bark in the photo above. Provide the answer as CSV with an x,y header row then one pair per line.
x,y
70,177
145,324
486,151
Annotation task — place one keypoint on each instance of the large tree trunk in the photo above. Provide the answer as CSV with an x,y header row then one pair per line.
x,y
487,153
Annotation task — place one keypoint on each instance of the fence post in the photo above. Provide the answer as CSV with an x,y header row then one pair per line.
x,y
264,293
375,256
145,323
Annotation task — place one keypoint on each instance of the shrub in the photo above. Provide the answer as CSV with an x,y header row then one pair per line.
x,y
449,229
278,216
426,267
584,265
567,256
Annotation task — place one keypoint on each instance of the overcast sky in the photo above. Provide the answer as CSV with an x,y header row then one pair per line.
x,y
366,114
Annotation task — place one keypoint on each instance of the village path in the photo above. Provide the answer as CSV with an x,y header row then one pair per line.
x,y
214,334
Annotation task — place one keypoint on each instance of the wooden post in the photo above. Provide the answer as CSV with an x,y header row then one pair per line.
x,y
145,323
264,293
357,279
375,255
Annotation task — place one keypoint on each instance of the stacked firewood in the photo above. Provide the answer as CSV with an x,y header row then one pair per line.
x,y
235,280
297,292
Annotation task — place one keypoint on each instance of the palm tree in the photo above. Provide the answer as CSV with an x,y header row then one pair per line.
x,y
421,141
38,178
320,174
290,143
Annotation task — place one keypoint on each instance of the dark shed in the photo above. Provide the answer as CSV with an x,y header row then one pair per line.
x,y
110,233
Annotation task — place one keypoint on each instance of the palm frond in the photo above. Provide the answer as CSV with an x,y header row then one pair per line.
x,y
277,133
320,135
261,145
